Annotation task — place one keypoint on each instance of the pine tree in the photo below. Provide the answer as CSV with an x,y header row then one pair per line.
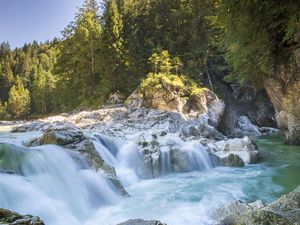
x,y
79,64
39,90
19,99
116,63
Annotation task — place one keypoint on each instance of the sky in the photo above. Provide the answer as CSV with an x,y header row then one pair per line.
x,y
22,21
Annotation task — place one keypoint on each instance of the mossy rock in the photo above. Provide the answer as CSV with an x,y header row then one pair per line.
x,y
8,217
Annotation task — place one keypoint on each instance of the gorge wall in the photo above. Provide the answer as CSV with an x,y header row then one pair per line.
x,y
284,92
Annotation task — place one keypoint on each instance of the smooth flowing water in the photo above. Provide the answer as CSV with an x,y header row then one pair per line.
x,y
59,187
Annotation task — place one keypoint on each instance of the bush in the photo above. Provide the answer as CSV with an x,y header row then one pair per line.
x,y
178,83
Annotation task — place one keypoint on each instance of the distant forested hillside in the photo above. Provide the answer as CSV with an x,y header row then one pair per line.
x,y
108,46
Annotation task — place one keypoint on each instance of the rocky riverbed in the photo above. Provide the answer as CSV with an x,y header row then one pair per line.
x,y
119,154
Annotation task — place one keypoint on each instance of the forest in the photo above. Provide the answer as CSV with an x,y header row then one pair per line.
x,y
112,45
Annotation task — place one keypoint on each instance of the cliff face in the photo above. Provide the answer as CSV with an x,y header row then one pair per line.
x,y
284,92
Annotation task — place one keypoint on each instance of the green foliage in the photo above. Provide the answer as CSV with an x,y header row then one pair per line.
x,y
178,83
116,72
109,50
79,63
19,100
3,111
162,62
257,36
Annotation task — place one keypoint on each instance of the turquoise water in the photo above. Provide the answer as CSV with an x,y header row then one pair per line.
x,y
190,198
175,199
283,159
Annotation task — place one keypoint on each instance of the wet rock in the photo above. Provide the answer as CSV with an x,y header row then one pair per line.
x,y
8,217
246,128
268,130
76,141
235,152
231,160
150,151
142,222
62,137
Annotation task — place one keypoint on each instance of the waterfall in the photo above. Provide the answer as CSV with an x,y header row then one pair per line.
x,y
132,164
198,157
61,181
48,182
165,160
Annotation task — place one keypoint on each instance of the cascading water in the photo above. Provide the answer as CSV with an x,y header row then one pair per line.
x,y
165,160
58,185
48,182
131,163
51,177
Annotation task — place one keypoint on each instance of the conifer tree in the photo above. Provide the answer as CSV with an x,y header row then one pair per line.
x,y
19,99
114,52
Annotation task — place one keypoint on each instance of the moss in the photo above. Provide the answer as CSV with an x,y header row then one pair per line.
x,y
180,83
261,217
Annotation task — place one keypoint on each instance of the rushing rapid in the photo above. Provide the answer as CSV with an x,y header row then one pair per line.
x,y
60,187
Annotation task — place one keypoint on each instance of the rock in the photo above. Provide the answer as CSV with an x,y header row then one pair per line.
x,y
297,54
268,130
228,122
231,160
76,141
246,128
245,101
135,100
208,103
62,137
259,217
236,208
235,152
286,100
186,98
53,123
115,98
150,151
8,217
19,129
142,222
284,211
287,206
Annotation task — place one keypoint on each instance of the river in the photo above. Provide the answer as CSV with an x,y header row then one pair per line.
x,y
47,182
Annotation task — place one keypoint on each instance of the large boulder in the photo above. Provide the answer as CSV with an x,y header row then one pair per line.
x,y
234,152
177,93
151,154
8,217
284,211
236,208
